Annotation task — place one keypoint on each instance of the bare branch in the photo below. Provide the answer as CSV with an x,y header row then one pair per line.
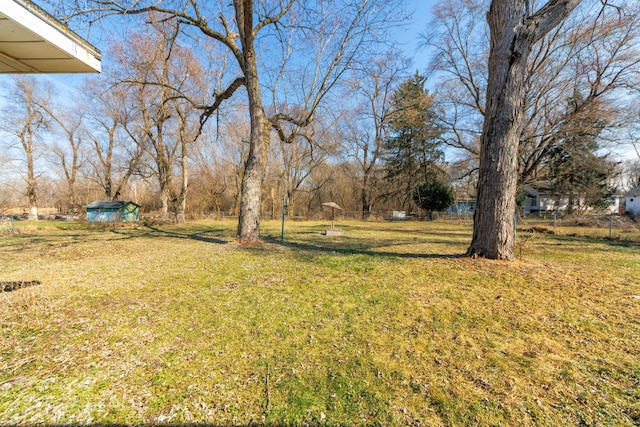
x,y
219,97
548,17
274,19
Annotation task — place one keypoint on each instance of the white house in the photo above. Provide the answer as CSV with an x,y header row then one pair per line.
x,y
538,201
632,201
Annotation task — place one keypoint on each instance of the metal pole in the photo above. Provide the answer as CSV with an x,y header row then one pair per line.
x,y
284,203
611,226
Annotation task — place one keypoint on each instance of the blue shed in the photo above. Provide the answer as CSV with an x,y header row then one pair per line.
x,y
112,211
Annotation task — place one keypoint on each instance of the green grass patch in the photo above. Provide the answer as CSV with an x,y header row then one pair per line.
x,y
386,324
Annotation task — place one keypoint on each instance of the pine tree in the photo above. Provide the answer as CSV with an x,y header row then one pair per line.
x,y
577,169
413,147
434,195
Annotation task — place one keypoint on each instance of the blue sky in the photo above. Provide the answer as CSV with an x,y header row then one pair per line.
x,y
409,37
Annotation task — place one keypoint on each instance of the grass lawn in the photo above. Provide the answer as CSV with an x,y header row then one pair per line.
x,y
385,325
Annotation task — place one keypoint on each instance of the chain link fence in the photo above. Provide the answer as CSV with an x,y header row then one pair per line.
x,y
588,225
583,224
593,225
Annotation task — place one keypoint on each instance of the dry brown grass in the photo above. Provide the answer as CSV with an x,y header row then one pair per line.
x,y
384,325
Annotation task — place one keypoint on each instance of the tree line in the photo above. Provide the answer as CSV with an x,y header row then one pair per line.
x,y
230,106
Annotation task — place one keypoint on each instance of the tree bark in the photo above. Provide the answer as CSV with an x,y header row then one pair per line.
x,y
184,187
364,193
255,166
32,183
493,235
164,203
513,32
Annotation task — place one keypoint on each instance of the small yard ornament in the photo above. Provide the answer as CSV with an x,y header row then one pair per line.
x,y
333,231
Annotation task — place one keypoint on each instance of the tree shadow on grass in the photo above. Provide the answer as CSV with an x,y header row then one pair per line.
x,y
356,247
369,251
23,241
118,233
421,232
151,232
615,241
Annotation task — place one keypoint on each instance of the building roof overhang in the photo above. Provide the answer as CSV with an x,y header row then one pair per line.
x,y
32,41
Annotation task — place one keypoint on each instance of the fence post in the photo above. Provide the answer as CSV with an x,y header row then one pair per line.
x,y
284,208
611,226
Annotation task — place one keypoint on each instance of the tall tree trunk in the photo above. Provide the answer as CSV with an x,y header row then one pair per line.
x,y
72,201
255,167
164,200
570,203
32,183
493,235
184,188
513,32
32,193
364,195
251,193
107,187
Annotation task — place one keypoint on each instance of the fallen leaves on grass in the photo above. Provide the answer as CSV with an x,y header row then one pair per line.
x,y
142,325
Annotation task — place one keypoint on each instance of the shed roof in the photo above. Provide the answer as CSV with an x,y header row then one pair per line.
x,y
109,204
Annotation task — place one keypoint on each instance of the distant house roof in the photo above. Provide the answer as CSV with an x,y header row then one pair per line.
x,y
109,204
538,188
634,192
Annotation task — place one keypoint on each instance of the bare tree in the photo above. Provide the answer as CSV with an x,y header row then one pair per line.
x,y
26,120
215,175
345,29
70,158
364,131
302,155
162,77
117,156
580,82
515,28
589,56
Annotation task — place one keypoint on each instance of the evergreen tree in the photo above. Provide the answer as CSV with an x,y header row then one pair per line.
x,y
413,147
582,176
434,195
577,169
